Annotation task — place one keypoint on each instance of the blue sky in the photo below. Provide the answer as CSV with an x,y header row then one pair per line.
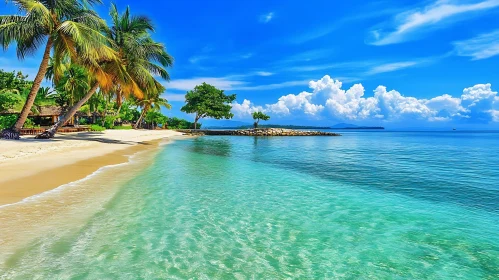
x,y
391,63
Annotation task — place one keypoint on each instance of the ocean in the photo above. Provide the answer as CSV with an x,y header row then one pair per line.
x,y
371,204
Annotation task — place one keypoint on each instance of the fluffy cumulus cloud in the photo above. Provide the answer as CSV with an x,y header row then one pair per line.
x,y
478,103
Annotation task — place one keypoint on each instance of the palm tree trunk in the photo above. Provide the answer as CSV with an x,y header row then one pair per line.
x,y
105,113
142,115
13,132
50,133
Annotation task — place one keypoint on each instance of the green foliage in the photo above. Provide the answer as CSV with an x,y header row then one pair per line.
x,y
176,123
208,101
14,82
7,121
83,121
85,109
96,127
10,101
123,127
154,118
109,122
257,116
260,116
29,124
128,113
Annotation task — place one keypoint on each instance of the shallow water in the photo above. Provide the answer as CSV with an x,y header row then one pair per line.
x,y
366,205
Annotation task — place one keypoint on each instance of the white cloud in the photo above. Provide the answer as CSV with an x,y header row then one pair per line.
x,y
301,102
264,73
477,104
246,55
196,59
188,84
480,47
273,86
424,19
173,97
391,67
266,18
231,82
245,109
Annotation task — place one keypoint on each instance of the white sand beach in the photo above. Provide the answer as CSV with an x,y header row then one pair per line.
x,y
29,167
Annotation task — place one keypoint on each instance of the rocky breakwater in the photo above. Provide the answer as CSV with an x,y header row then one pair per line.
x,y
259,132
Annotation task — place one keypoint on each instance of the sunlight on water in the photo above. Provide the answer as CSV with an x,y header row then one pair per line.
x,y
380,205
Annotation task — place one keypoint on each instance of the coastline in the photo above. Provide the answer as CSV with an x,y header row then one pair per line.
x,y
31,167
88,174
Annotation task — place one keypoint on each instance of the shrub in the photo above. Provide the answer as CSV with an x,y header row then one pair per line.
x,y
7,121
9,101
29,123
123,127
83,121
96,127
109,122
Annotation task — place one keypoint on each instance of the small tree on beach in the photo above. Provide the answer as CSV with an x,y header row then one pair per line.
x,y
258,116
208,101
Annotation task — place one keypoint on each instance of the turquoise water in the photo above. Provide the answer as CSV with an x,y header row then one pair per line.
x,y
380,205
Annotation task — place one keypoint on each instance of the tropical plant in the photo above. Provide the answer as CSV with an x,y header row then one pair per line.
x,y
154,118
7,121
258,116
208,101
14,82
153,102
139,60
176,123
67,27
9,100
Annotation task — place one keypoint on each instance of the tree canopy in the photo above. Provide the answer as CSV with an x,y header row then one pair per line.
x,y
257,116
208,101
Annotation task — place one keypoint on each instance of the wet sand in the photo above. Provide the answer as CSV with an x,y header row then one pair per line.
x,y
31,167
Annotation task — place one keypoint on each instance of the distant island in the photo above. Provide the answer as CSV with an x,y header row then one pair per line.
x,y
352,126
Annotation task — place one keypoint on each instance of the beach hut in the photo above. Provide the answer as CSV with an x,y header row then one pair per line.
x,y
43,115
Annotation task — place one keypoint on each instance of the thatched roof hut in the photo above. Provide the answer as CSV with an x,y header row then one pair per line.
x,y
50,111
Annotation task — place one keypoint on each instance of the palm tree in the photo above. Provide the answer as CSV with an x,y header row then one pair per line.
x,y
139,59
65,27
153,102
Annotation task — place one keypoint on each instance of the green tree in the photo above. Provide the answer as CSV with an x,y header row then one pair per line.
x,y
14,82
154,118
208,101
153,102
9,100
258,116
67,27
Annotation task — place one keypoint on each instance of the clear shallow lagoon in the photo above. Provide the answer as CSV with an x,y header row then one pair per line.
x,y
380,205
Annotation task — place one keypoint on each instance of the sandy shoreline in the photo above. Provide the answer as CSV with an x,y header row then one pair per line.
x,y
30,167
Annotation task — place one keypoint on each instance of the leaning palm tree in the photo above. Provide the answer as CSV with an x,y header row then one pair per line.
x,y
139,59
152,102
67,28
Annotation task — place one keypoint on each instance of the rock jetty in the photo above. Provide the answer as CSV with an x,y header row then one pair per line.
x,y
258,132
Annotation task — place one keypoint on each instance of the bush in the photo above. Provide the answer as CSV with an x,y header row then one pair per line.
x,y
10,101
176,123
123,127
96,127
7,121
109,122
29,123
83,121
